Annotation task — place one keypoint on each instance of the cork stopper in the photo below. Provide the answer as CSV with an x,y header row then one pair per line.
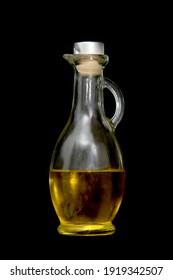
x,y
89,66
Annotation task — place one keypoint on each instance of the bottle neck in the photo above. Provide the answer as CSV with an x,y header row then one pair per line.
x,y
87,94
88,84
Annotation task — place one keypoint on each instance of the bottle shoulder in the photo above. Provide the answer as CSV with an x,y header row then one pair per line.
x,y
87,144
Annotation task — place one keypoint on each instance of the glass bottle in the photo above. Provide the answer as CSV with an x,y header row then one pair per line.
x,y
87,175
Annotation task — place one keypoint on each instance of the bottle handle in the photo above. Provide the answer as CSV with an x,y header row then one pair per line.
x,y
119,100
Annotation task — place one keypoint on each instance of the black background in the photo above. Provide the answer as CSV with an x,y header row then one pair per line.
x,y
37,102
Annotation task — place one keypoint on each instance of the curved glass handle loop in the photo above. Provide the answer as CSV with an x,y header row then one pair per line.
x,y
119,100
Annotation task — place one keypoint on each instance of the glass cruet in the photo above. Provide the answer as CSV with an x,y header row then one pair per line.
x,y
87,175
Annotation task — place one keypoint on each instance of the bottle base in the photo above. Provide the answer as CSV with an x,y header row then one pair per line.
x,y
87,229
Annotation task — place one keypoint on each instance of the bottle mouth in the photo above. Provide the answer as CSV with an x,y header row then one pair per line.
x,y
76,59
91,64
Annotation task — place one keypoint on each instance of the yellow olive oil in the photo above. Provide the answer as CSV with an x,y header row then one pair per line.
x,y
86,200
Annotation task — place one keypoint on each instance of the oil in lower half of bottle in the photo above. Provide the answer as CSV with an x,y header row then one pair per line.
x,y
86,196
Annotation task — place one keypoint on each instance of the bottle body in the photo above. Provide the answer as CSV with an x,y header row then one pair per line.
x,y
86,201
87,176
